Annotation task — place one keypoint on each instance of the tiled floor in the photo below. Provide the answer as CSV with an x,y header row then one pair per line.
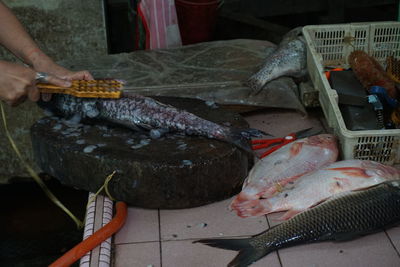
x,y
153,238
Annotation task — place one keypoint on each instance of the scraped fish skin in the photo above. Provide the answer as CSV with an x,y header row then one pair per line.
x,y
146,113
341,218
283,167
151,114
289,59
333,179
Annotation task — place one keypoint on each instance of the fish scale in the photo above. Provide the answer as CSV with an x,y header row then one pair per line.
x,y
341,218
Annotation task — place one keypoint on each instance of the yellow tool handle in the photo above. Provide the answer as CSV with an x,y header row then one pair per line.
x,y
80,88
50,88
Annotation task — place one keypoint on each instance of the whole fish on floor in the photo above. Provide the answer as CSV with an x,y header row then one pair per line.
x,y
341,218
319,185
289,59
270,174
140,112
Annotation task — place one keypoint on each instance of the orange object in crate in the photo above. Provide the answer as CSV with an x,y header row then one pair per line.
x,y
86,88
393,69
328,72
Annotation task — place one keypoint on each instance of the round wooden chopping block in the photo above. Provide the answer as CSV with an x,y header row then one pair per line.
x,y
174,171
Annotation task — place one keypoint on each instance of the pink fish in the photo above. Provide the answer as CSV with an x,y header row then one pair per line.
x,y
270,174
315,187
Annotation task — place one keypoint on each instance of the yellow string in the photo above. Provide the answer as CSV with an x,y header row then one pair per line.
x,y
36,177
278,187
108,179
105,187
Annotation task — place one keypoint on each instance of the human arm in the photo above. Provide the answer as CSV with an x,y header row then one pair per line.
x,y
14,37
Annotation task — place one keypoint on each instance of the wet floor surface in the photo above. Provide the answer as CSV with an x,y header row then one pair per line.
x,y
164,237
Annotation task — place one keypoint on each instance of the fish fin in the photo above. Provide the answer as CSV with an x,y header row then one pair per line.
x,y
253,208
247,256
230,244
247,253
289,214
295,149
351,236
352,171
341,237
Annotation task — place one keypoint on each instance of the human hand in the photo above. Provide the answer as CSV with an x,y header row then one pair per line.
x,y
57,75
17,82
62,77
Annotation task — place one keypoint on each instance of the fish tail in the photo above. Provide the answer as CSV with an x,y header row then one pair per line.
x,y
247,253
241,137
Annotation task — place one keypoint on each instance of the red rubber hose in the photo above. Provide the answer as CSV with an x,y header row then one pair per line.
x,y
94,240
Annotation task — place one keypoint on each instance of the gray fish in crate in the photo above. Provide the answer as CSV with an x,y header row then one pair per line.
x,y
289,59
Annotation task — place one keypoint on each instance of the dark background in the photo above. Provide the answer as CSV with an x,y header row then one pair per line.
x,y
256,19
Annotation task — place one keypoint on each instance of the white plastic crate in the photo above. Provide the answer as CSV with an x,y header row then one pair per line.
x,y
330,46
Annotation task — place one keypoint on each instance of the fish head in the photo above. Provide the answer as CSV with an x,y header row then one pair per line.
x,y
291,35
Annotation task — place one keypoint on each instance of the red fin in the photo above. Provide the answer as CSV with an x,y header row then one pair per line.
x,y
241,197
295,149
352,171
